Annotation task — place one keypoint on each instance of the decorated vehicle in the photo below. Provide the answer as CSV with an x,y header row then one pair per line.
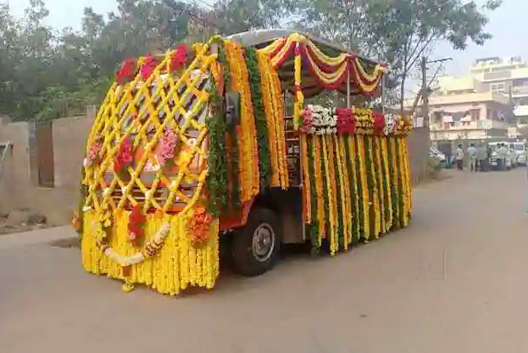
x,y
197,146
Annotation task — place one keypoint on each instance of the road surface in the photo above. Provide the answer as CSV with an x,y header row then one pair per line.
x,y
455,281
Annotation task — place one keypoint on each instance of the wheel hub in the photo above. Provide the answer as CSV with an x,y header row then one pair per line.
x,y
263,242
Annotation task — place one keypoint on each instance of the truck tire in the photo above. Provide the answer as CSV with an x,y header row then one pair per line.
x,y
255,247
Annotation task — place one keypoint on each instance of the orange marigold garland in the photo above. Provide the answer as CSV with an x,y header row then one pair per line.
x,y
199,226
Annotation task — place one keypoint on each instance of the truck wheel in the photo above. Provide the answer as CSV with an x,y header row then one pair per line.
x,y
256,246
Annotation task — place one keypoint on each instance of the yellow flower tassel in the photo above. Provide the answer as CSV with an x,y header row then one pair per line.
x,y
330,165
385,160
364,186
346,212
177,265
330,196
318,180
248,149
381,189
307,197
299,98
356,200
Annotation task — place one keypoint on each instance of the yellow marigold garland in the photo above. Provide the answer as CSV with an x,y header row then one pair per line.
x,y
299,98
330,195
274,109
249,172
318,179
364,186
307,197
177,265
342,179
387,176
381,187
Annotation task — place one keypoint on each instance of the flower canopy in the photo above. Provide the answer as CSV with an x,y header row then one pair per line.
x,y
324,65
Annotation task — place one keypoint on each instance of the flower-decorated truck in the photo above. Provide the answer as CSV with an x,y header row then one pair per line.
x,y
197,146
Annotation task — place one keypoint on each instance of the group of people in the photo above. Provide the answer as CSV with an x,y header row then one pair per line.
x,y
479,157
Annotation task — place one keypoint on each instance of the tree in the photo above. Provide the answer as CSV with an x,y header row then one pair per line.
x,y
396,31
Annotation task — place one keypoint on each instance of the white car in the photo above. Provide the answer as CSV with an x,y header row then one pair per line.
x,y
520,152
495,157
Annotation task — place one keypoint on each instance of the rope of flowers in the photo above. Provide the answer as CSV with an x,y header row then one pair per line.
x,y
314,198
274,109
350,157
299,98
342,201
306,177
232,147
393,181
381,185
332,193
217,156
371,186
260,117
386,183
320,188
249,173
362,171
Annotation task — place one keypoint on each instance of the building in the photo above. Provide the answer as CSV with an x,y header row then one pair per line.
x,y
468,115
507,76
489,102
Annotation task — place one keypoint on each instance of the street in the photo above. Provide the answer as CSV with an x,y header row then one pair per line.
x,y
455,281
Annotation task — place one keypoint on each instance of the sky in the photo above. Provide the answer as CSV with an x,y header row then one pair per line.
x,y
508,25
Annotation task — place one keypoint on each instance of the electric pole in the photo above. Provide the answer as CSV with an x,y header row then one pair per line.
x,y
425,89
424,92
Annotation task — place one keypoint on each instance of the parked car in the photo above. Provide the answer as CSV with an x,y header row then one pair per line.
x,y
438,155
520,152
497,160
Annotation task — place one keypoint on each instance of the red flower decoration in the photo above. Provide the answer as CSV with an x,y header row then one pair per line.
x,y
307,121
179,57
346,121
148,65
123,157
379,122
127,71
136,221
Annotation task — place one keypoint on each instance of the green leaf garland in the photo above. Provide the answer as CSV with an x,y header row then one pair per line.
x,y
232,172
260,116
217,155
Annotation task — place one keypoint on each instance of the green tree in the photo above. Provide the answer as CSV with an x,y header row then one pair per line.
x,y
396,31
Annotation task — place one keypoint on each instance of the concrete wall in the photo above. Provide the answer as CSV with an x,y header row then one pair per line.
x,y
19,187
419,143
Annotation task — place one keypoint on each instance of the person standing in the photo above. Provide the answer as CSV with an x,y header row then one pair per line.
x,y
482,157
502,154
472,154
459,157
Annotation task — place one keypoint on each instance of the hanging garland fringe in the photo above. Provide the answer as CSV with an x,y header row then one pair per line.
x,y
360,187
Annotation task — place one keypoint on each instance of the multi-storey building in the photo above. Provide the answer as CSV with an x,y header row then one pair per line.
x,y
483,104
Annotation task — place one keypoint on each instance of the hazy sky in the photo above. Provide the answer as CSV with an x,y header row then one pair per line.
x,y
508,25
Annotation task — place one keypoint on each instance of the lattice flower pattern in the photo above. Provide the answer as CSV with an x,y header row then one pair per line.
x,y
142,113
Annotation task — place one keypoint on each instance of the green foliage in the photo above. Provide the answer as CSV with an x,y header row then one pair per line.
x,y
48,73
260,117
396,31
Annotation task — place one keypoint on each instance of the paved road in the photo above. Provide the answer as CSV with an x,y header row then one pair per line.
x,y
456,281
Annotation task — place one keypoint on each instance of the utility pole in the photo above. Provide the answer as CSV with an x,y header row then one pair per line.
x,y
424,92
425,89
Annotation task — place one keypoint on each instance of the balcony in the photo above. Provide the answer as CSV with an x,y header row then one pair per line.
x,y
520,91
484,124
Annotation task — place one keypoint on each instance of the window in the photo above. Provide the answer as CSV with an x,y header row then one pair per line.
x,y
475,114
497,87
